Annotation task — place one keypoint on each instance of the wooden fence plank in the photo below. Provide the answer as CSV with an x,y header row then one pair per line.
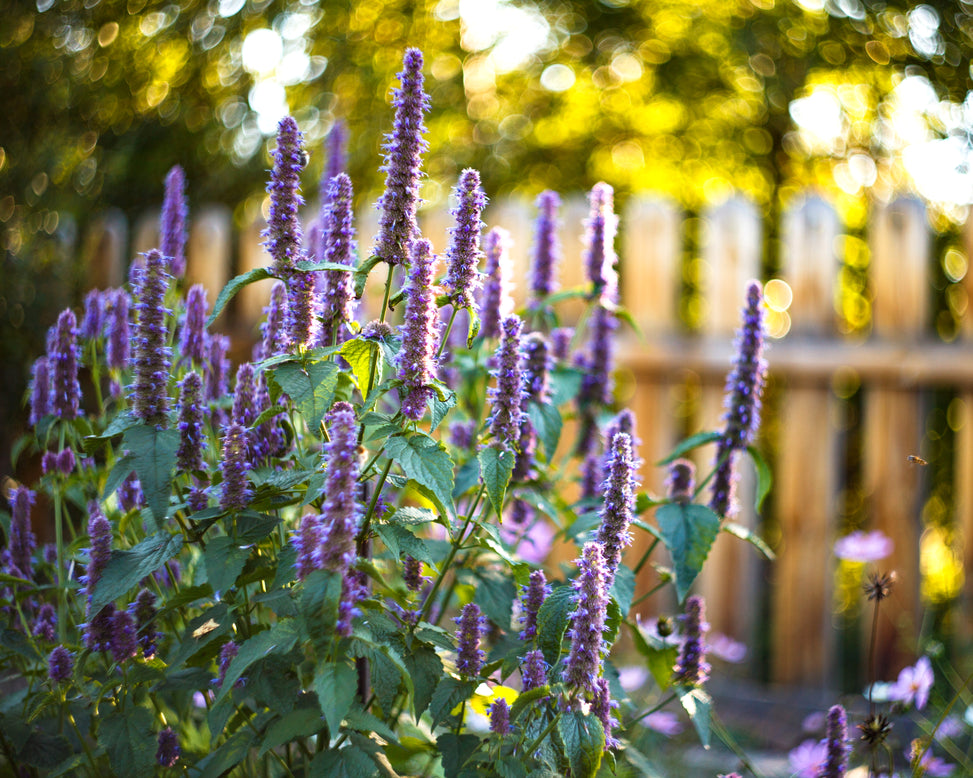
x,y
651,267
209,254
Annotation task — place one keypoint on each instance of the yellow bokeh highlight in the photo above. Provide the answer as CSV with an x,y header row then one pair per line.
x,y
941,567
484,697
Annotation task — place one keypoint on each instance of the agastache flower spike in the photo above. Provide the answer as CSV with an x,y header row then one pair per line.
x,y
561,343
236,490
602,706
122,643
143,610
464,248
533,596
307,544
192,339
547,248
217,367
507,397
500,717
152,354
40,390
283,233
596,383
744,386
337,294
584,662
403,158
244,406
192,438
681,481
60,665
93,311
22,541
62,356
168,751
496,301
300,307
691,668
341,511
837,736
624,421
618,507
173,222
420,334
533,670
227,653
469,657
599,255
273,338
45,627
335,144
99,533
118,340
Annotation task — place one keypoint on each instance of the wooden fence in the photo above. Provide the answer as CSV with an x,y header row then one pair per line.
x,y
790,602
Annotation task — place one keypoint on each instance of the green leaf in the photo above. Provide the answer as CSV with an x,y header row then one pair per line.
x,y
359,355
225,559
450,693
319,604
565,383
154,451
310,387
688,532
747,534
687,445
279,639
300,723
496,467
227,756
426,668
412,516
128,738
360,274
229,291
698,705
252,527
336,685
584,742
308,266
126,568
643,502
349,762
623,589
440,408
660,657
764,477
547,424
526,701
121,470
495,594
42,750
401,542
427,463
274,683
456,750
552,620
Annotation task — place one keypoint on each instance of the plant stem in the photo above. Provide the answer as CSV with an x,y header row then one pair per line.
x,y
646,555
445,336
642,714
540,738
723,734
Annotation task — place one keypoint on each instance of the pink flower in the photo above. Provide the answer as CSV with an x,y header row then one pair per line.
x,y
632,678
863,546
533,543
935,767
913,684
663,721
808,758
726,648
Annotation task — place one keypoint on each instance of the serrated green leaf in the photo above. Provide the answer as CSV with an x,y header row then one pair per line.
x,y
527,700
659,658
449,693
552,621
426,462
401,542
278,639
764,476
126,568
688,532
412,516
229,291
565,384
623,589
227,756
643,502
336,685
311,387
128,738
300,723
687,445
348,762
547,423
496,467
584,742
319,603
122,469
360,274
747,534
363,721
154,454
456,750
225,559
440,409
426,668
495,594
309,266
359,354
698,705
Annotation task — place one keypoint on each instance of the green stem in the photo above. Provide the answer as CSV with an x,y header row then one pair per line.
x,y
367,520
723,734
642,714
649,593
540,738
645,556
445,337
388,293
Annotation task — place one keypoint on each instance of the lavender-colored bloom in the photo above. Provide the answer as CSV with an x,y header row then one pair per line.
x,y
192,338
130,495
624,421
341,511
532,597
336,291
40,391
123,644
461,434
837,736
592,475
244,400
99,534
217,367
412,573
547,248
808,759
618,507
269,439
533,670
227,653
667,723
583,665
561,343
420,334
507,397
168,752
307,544
143,610
726,648
602,706
273,335
118,339
335,150
537,367
463,255
98,630
691,668
596,385
62,357
403,159
236,491
744,386
93,312
198,499
913,685
45,624
469,657
172,241
283,233
60,664
192,438
300,307
681,482
496,300
22,541
65,461
599,255
49,462
864,546
500,717
929,765
152,354
354,588
49,553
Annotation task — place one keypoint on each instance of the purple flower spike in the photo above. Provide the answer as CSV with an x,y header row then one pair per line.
x,y
533,670
98,631
336,292
507,397
143,610
99,533
227,653
217,367
537,367
533,596
341,512
837,732
168,752
464,248
300,307
93,311
744,385
130,495
681,482
420,334
62,356
592,475
192,437
192,339
273,336
547,248
583,665
118,340
307,544
244,400
691,668
599,255
469,657
624,421
22,541
412,573
152,354
618,507
283,233
236,489
40,391
500,717
173,222
353,590
496,301
403,159
335,144
561,343
45,626
123,644
60,665
65,461
602,706
597,385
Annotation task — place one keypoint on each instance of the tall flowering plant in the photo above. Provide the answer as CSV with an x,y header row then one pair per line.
x,y
295,565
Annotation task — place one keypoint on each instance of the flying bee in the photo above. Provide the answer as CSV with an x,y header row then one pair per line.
x,y
916,460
